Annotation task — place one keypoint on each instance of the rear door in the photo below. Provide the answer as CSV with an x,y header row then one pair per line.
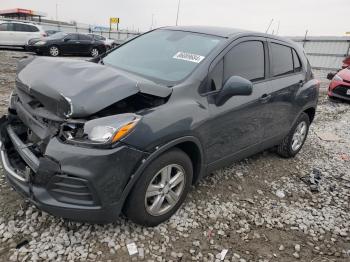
x,y
24,32
70,44
85,43
239,123
287,78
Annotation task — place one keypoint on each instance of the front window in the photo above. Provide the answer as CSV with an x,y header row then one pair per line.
x,y
163,55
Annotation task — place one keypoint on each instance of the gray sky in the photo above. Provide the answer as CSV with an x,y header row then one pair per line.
x,y
320,17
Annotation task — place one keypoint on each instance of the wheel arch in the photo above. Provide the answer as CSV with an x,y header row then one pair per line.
x,y
189,144
311,111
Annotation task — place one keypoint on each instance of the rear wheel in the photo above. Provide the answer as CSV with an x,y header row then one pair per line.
x,y
94,52
54,51
161,189
294,141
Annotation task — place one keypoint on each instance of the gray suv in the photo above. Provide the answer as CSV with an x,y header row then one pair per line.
x,y
132,130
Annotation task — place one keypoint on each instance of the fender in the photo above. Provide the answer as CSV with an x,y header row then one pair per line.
x,y
159,150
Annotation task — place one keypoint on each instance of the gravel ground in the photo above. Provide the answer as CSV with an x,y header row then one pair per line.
x,y
259,209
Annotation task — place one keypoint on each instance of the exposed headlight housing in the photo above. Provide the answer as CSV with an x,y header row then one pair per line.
x,y
337,78
12,100
101,131
40,43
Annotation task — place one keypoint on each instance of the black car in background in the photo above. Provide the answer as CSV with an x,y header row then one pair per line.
x,y
63,43
133,131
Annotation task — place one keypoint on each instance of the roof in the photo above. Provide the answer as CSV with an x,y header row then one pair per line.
x,y
209,30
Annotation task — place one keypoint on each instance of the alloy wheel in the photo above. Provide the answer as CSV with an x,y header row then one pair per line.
x,y
54,51
94,52
299,136
165,190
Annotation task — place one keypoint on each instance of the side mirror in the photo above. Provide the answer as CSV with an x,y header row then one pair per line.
x,y
234,86
330,75
66,39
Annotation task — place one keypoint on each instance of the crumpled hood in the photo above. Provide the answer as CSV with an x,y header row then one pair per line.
x,y
77,88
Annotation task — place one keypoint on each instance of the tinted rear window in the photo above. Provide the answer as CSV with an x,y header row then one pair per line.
x,y
282,60
247,60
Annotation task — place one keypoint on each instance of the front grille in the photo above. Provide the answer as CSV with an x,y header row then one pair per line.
x,y
341,90
72,190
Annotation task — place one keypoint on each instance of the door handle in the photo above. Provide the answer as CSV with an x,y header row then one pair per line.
x,y
265,98
77,42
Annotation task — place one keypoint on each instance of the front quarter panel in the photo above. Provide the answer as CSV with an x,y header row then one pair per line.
x,y
183,115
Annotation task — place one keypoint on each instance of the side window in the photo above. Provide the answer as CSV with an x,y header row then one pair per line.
x,y
3,27
297,64
247,60
282,60
97,37
85,37
32,28
19,27
72,37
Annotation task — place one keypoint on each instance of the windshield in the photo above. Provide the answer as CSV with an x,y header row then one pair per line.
x,y
164,55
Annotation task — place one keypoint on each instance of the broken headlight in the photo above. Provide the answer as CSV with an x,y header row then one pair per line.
x,y
106,130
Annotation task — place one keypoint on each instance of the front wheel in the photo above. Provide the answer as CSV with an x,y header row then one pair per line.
x,y
294,141
54,51
161,189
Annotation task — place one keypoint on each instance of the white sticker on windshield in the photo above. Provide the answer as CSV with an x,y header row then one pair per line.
x,y
189,57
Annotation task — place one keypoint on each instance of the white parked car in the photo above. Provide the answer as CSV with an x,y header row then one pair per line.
x,y
109,43
17,34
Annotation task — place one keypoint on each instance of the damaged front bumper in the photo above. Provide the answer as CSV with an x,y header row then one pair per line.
x,y
78,183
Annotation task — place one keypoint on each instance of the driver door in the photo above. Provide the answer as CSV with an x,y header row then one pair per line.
x,y
238,124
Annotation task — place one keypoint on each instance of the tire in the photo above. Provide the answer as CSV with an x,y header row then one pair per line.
x,y
54,51
288,147
142,209
334,99
94,52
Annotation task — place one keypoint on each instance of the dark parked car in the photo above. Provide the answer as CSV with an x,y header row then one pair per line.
x,y
134,130
339,87
63,43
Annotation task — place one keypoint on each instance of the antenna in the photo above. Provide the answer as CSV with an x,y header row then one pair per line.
x,y
178,9
269,26
278,27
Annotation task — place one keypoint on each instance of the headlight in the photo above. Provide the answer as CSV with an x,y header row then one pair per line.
x,y
101,131
40,43
337,78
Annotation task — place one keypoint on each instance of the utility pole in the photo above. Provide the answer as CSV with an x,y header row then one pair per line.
x,y
278,27
178,10
56,11
152,21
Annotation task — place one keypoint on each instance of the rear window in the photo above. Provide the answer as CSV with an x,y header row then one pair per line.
x,y
282,60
